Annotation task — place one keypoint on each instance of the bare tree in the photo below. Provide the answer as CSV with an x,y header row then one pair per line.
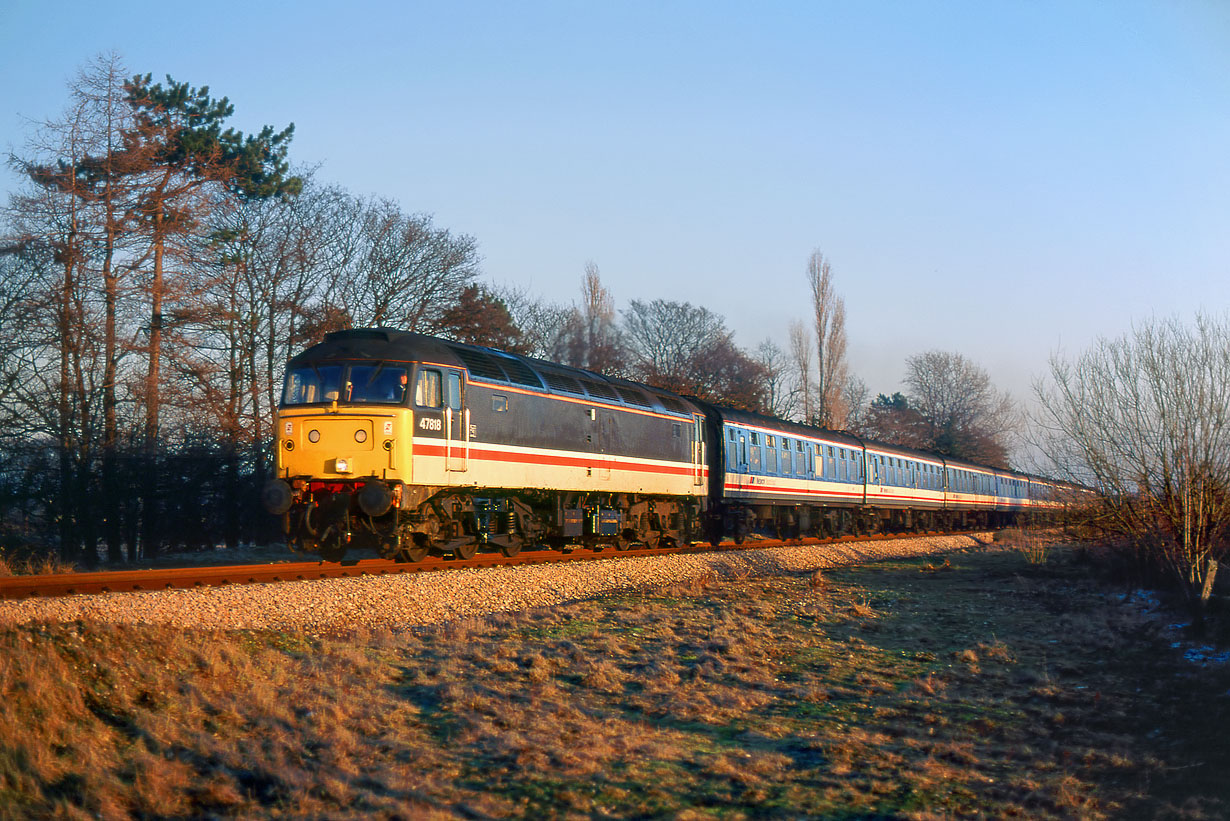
x,y
407,271
962,413
1145,420
781,392
74,215
801,356
829,312
544,325
663,336
855,396
591,337
688,349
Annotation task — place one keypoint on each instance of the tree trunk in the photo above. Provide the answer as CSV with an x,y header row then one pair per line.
x,y
150,537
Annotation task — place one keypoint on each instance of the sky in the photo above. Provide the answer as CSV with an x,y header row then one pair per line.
x,y
1003,180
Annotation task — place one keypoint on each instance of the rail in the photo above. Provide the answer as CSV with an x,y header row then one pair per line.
x,y
118,581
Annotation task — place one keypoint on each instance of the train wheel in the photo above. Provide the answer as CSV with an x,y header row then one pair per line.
x,y
465,550
332,552
414,553
414,547
511,548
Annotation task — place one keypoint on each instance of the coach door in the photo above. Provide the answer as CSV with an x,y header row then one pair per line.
x,y
456,424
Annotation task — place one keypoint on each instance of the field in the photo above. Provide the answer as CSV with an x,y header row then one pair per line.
x,y
977,685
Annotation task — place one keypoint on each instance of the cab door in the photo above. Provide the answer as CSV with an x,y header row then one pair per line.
x,y
456,424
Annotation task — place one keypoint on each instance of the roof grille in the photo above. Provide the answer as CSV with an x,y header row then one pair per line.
x,y
672,404
518,372
633,397
560,382
598,390
479,364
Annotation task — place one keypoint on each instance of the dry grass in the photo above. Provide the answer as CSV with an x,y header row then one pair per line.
x,y
1035,545
33,564
995,688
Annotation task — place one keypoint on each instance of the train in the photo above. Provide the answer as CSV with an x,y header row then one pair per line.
x,y
410,445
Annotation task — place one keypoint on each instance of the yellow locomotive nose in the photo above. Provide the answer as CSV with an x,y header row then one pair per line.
x,y
345,445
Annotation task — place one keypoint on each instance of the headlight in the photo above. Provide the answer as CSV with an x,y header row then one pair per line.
x,y
313,436
341,465
360,436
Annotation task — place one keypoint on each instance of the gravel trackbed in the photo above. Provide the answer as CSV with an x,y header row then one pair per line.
x,y
416,599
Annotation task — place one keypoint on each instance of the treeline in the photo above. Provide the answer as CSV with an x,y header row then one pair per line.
x,y
158,267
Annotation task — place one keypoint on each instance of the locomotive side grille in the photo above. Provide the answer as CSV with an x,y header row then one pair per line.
x,y
520,374
560,382
598,390
633,397
671,404
480,365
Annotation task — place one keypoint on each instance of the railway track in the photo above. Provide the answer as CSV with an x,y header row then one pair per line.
x,y
117,581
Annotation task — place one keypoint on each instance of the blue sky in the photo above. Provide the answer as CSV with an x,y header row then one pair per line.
x,y
995,178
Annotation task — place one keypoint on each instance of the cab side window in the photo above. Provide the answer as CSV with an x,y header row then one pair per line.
x,y
454,391
427,390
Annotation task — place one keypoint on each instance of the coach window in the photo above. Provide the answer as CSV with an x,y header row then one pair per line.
x,y
427,389
499,404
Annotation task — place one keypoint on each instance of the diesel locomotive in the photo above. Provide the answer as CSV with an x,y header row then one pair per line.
x,y
409,444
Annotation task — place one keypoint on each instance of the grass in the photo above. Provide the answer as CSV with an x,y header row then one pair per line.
x,y
980,686
32,564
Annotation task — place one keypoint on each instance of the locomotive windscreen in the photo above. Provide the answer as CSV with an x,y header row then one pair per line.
x,y
355,383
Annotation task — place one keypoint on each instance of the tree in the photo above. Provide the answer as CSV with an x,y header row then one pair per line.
x,y
591,337
404,272
544,325
1145,420
858,411
892,419
781,395
961,413
724,374
83,172
663,338
178,134
829,313
800,355
688,349
481,318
